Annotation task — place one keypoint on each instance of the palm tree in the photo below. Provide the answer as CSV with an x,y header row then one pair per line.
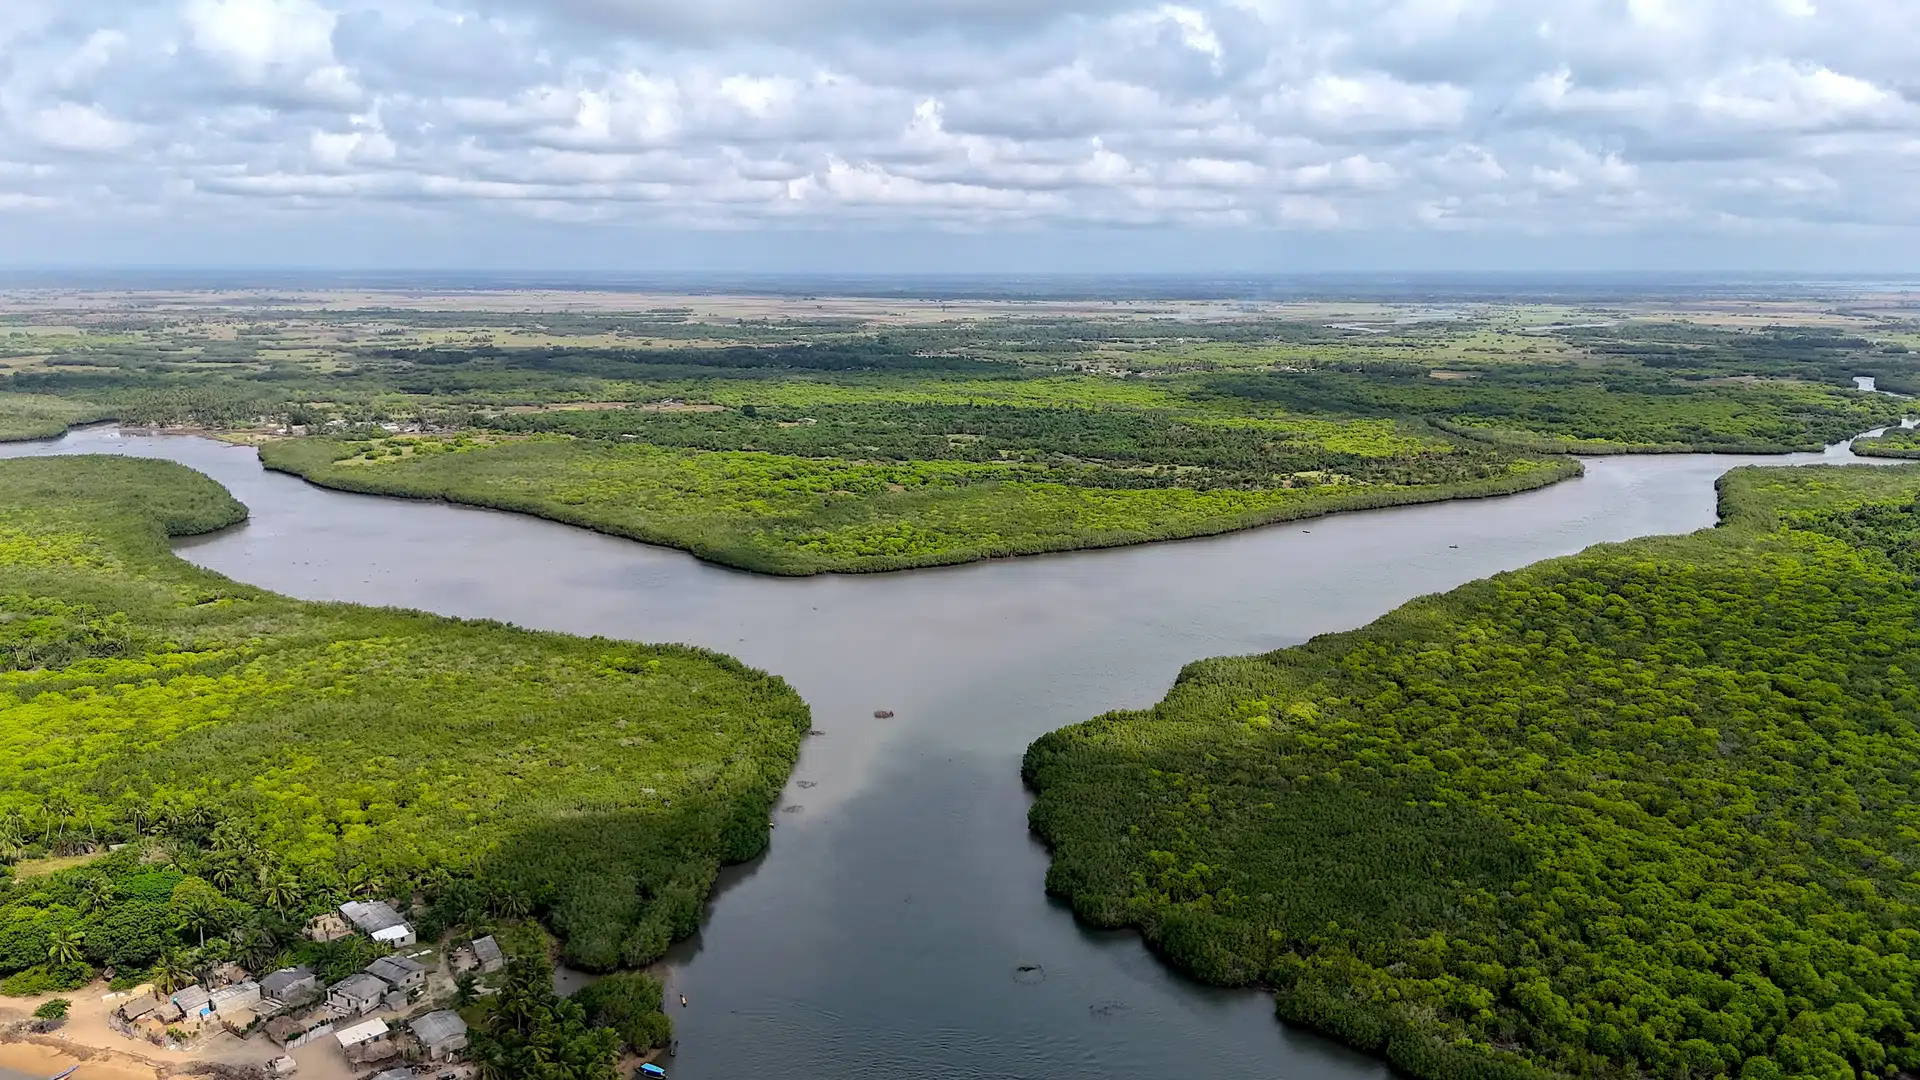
x,y
197,913
172,971
56,809
510,903
227,874
63,948
281,894
95,893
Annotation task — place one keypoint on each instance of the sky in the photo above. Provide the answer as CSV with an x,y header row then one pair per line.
x,y
962,135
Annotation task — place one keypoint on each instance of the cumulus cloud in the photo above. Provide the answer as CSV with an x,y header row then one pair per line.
x,y
1361,115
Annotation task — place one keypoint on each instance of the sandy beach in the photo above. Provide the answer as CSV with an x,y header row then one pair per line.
x,y
30,1061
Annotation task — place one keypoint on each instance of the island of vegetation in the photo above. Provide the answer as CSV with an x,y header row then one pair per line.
x,y
1892,443
1650,810
193,767
792,444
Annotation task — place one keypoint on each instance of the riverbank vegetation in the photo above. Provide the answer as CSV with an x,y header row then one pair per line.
x,y
804,445
1644,811
192,766
1892,443
791,514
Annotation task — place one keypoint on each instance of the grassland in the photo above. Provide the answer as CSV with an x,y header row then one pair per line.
x,y
267,758
1644,811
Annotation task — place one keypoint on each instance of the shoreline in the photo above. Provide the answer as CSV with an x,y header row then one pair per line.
x,y
1558,470
39,1056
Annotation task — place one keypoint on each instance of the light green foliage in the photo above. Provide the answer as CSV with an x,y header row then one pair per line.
x,y
1649,810
39,416
1893,443
798,515
286,755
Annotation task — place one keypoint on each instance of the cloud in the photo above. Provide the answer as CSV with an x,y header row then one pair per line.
x,y
1350,116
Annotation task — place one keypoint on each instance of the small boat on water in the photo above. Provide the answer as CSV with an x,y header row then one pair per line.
x,y
71,1071
651,1070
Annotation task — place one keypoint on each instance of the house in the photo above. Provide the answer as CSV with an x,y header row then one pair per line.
x,y
487,951
292,1033
357,994
328,927
282,1066
290,986
372,1052
378,920
139,1007
194,1002
241,995
228,974
400,972
395,937
442,1034
238,1021
364,1031
371,916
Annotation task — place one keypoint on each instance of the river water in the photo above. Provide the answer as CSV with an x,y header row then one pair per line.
x,y
881,934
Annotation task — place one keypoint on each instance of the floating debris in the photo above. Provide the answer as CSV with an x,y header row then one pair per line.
x,y
815,731
883,714
808,784
1029,974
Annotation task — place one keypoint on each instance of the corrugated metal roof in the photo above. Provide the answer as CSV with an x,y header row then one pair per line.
x,y
371,915
394,969
361,985
438,1027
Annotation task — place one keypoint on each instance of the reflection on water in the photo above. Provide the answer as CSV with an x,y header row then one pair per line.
x,y
886,932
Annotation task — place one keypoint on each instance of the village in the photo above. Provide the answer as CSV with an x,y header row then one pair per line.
x,y
395,1019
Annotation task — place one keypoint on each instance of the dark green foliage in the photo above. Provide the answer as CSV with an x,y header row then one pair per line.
x,y
1537,407
1649,810
531,1034
630,1004
53,1010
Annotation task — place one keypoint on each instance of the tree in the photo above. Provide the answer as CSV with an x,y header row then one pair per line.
x,y
198,914
630,1004
532,1034
96,893
63,947
281,893
172,972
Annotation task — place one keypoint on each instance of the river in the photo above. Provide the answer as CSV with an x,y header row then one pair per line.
x,y
880,936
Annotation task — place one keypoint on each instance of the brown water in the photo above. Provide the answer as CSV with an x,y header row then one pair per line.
x,y
880,935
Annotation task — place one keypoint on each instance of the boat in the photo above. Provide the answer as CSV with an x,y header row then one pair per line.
x,y
652,1070
69,1072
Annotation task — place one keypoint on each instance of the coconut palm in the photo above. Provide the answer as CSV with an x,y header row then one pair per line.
x,y
172,971
63,947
